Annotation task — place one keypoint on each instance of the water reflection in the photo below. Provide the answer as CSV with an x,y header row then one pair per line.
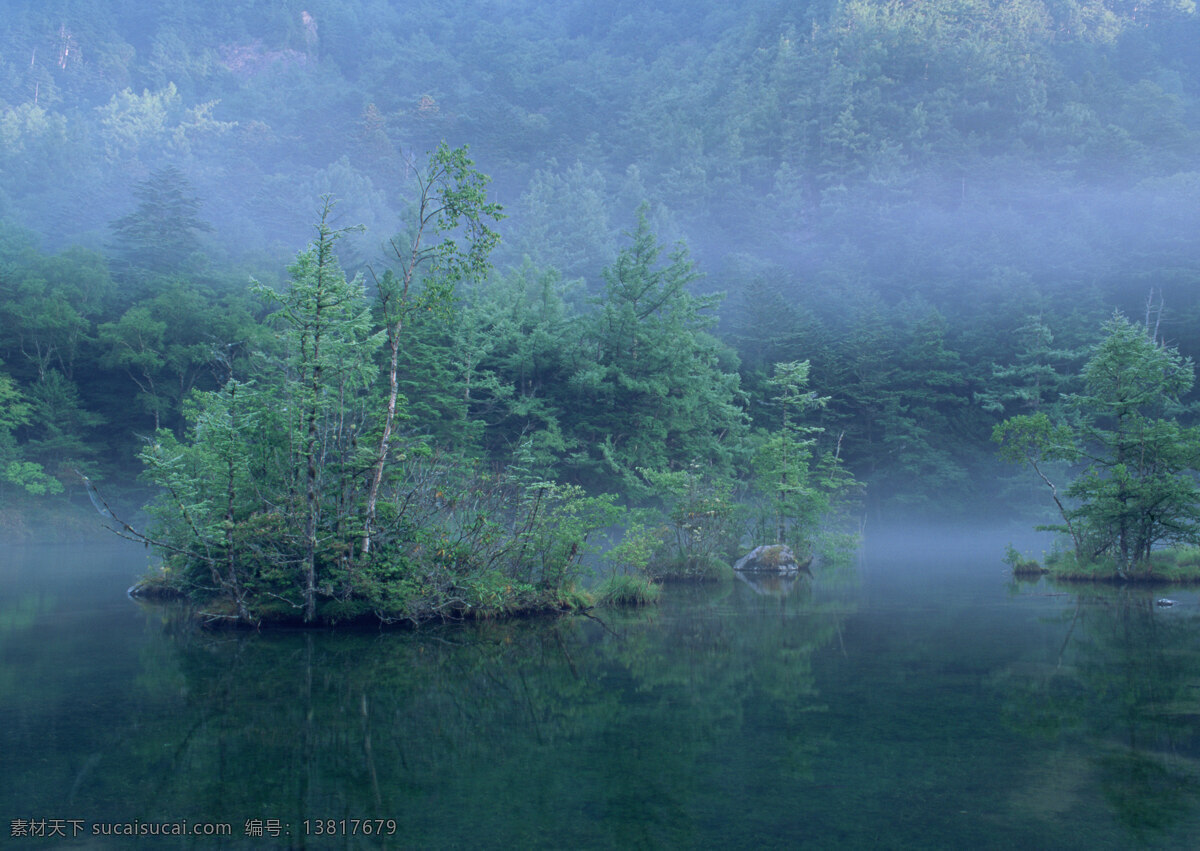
x,y
1118,702
775,585
925,709
577,729
622,729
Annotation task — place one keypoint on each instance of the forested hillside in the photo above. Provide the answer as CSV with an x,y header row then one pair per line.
x,y
935,204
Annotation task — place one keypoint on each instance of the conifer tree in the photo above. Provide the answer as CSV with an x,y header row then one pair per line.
x,y
329,325
1138,485
654,389
161,235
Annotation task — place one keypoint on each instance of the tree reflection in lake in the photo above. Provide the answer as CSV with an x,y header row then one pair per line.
x,y
1117,705
924,708
607,730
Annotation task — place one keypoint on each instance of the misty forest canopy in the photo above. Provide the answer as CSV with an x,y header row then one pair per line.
x,y
751,252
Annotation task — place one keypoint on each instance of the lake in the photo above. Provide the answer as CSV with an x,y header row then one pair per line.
x,y
916,699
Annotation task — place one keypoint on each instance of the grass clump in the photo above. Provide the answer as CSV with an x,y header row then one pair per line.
x,y
1022,566
1066,565
572,599
1178,564
156,586
628,590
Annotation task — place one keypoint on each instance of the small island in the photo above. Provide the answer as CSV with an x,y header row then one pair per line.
x,y
1131,512
301,492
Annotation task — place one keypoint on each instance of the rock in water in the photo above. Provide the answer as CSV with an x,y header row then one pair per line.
x,y
772,558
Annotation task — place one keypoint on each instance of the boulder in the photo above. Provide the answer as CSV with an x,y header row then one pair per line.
x,y
154,589
772,558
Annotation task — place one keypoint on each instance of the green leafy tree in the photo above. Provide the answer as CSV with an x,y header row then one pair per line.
x,y
49,305
448,244
530,330
1036,441
566,220
701,533
262,496
784,459
800,486
135,344
901,403
1138,487
210,484
15,411
1035,380
62,435
926,437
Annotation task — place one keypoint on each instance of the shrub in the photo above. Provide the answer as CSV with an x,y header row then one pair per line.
x,y
1020,565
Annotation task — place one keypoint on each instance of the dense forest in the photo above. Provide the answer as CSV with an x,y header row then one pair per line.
x,y
852,237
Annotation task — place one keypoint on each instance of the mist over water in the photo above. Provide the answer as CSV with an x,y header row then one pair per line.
x,y
916,697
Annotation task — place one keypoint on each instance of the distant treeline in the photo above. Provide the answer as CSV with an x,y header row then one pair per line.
x,y
935,204
100,352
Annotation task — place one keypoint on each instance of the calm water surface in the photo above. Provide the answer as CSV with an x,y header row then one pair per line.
x,y
918,699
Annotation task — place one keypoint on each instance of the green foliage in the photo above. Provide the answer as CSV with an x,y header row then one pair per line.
x,y
1137,487
1033,381
1140,489
797,488
28,475
51,305
1172,564
658,390
1020,565
167,344
634,553
559,521
264,502
925,404
32,478
131,124
14,410
926,201
528,324
463,216
451,206
627,590
701,532
567,225
160,236
62,428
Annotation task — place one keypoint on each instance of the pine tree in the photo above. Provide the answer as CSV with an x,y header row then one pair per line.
x,y
328,324
654,389
160,237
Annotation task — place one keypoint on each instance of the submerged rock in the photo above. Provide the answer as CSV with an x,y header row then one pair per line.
x,y
772,558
